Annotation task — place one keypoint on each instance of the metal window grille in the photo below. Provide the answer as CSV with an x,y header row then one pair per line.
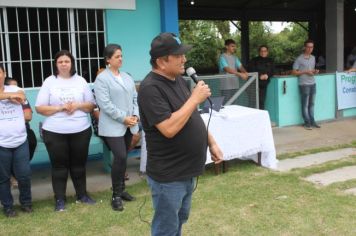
x,y
30,38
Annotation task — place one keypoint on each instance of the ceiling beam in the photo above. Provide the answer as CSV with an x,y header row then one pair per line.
x,y
251,15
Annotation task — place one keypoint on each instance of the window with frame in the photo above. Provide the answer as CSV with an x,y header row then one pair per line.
x,y
30,38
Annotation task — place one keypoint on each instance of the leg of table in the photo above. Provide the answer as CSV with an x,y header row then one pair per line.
x,y
225,166
259,158
217,168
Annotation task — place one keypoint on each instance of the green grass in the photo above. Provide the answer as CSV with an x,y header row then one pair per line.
x,y
247,200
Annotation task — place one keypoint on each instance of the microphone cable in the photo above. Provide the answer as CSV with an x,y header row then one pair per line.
x,y
140,211
207,135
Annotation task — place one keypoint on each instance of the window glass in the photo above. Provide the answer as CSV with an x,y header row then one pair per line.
x,y
25,47
32,17
14,46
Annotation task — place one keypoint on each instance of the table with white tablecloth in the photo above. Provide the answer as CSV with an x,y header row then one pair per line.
x,y
241,132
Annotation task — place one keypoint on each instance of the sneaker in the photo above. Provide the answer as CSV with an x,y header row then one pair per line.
x,y
307,127
60,205
127,197
86,199
316,125
9,212
27,209
116,204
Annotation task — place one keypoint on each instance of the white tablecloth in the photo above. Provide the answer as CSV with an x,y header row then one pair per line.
x,y
241,132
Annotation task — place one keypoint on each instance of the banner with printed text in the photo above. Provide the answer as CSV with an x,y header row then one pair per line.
x,y
346,90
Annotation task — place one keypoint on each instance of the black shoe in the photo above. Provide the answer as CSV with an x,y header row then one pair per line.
x,y
27,209
116,204
9,212
127,197
307,127
316,125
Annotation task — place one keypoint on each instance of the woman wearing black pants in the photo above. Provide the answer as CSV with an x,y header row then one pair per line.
x,y
65,99
68,155
116,96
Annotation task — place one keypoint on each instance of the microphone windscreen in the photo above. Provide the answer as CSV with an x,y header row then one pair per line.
x,y
190,71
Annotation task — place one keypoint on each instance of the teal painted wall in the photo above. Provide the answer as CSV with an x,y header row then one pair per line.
x,y
285,109
134,31
271,103
325,107
349,112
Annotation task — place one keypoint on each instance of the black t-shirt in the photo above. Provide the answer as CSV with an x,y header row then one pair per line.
x,y
184,155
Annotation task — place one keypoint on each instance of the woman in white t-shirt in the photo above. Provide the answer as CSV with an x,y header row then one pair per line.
x,y
14,152
66,99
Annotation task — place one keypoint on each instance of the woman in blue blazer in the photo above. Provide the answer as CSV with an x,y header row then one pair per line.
x,y
116,97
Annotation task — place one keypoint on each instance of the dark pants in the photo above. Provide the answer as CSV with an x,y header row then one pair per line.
x,y
119,147
68,154
15,161
307,93
262,97
32,142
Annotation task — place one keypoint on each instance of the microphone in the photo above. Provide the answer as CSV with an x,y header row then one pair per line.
x,y
193,74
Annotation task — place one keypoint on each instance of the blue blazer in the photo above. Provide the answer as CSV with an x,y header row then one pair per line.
x,y
116,100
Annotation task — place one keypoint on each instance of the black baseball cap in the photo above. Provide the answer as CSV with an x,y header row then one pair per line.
x,y
167,44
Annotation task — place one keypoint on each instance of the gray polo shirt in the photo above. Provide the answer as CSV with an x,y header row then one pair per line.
x,y
233,62
302,63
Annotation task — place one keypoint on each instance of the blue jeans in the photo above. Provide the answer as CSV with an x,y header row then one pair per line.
x,y
15,161
307,93
171,203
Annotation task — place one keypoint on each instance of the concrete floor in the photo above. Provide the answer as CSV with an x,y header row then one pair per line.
x,y
296,138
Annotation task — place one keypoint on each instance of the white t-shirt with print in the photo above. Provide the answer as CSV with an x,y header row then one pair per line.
x,y
12,122
57,91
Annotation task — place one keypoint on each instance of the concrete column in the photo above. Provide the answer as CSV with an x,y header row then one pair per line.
x,y
334,27
169,16
245,45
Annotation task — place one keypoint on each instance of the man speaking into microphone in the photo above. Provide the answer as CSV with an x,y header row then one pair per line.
x,y
176,136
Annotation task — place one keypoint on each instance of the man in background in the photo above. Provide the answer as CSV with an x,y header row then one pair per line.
x,y
304,68
229,63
